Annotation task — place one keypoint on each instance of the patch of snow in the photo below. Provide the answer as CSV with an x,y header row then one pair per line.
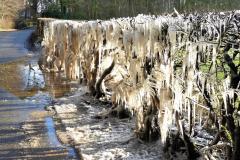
x,y
65,108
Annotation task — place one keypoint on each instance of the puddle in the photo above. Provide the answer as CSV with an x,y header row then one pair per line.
x,y
49,123
25,89
56,85
25,80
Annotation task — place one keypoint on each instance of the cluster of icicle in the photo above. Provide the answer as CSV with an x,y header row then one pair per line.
x,y
154,74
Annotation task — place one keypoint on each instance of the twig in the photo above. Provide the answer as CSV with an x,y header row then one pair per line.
x,y
219,145
205,107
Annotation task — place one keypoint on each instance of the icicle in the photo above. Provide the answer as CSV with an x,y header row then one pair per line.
x,y
167,119
194,113
200,118
131,41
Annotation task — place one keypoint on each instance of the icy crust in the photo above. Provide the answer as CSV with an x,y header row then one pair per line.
x,y
101,139
65,108
164,69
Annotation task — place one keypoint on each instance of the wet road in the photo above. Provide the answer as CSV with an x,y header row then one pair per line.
x,y
26,130
13,44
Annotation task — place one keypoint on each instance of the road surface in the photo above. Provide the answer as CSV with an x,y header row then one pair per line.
x,y
26,130
13,44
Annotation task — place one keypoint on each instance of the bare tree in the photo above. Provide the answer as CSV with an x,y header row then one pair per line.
x,y
10,9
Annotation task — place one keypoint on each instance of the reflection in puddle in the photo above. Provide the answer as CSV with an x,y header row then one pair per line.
x,y
25,80
24,89
56,85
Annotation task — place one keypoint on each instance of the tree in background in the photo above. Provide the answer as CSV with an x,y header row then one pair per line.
x,y
105,9
10,10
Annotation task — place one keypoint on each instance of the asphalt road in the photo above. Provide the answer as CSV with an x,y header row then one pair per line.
x,y
26,130
13,44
